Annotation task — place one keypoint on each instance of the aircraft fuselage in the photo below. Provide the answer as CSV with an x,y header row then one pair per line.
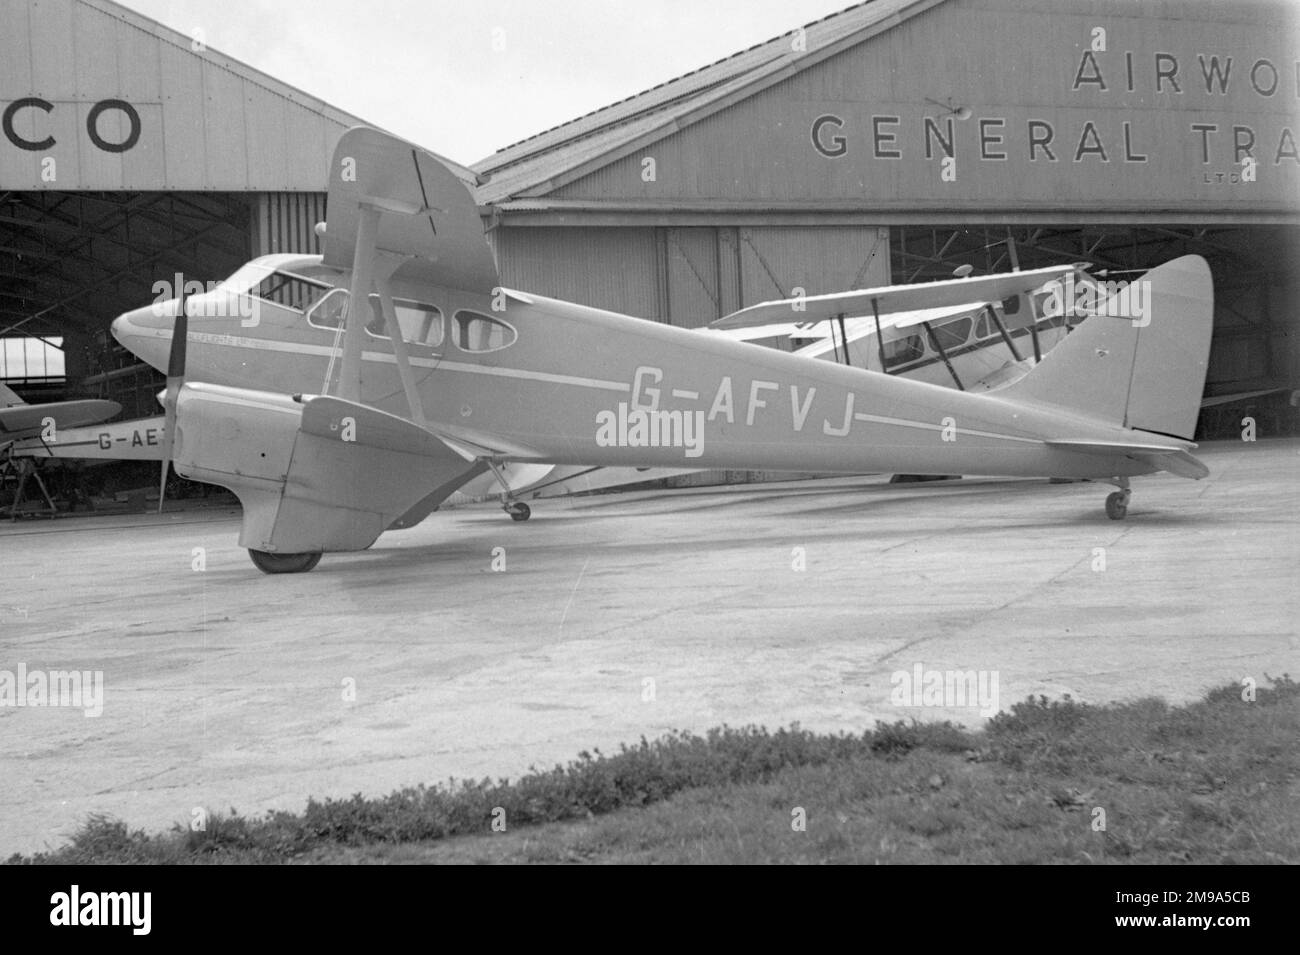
x,y
577,385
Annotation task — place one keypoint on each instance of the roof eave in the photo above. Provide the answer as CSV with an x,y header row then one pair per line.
x,y
750,84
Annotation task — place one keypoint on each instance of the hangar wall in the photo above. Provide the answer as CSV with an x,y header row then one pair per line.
x,y
119,101
605,268
692,275
1158,122
286,222
131,153
1106,131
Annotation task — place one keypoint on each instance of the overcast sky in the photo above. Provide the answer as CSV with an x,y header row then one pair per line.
x,y
428,71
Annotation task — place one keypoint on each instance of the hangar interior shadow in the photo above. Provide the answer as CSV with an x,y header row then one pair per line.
x,y
1256,293
73,261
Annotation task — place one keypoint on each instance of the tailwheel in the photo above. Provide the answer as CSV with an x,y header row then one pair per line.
x,y
518,511
1117,505
269,563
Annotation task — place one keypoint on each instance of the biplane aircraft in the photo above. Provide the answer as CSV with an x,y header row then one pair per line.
x,y
977,347
333,423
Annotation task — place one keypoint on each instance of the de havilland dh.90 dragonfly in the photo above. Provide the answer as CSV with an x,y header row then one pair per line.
x,y
334,423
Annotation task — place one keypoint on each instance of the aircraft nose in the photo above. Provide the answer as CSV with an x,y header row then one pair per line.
x,y
147,332
159,315
122,328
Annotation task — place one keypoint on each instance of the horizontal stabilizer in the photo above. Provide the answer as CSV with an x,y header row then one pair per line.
x,y
1175,460
1181,463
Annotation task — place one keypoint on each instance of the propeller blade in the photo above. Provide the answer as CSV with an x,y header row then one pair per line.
x,y
175,379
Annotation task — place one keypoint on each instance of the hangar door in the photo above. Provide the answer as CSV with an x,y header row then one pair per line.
x,y
688,276
609,268
707,273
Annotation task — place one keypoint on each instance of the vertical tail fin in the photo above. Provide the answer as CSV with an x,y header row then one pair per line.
x,y
1144,370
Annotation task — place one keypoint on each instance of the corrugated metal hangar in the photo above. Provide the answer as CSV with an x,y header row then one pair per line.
x,y
131,154
892,141
899,139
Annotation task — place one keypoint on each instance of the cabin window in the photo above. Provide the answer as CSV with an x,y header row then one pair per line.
x,y
952,334
478,333
1046,301
330,311
983,328
1011,306
421,324
901,351
289,291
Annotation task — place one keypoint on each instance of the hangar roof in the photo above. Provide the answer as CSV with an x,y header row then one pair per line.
x,y
167,112
535,165
166,188
919,111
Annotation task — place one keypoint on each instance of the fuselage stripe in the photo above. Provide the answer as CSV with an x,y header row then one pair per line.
x,y
304,348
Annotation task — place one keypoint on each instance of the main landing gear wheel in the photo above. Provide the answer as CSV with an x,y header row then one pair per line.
x,y
269,563
1117,505
518,511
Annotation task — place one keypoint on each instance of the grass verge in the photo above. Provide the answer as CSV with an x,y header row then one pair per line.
x,y
1216,781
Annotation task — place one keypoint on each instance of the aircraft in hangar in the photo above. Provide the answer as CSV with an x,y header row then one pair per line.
x,y
333,424
975,346
44,425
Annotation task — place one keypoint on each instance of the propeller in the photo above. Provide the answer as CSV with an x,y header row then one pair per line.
x,y
175,379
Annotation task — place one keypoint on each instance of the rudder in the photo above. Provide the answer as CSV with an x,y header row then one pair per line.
x,y
1144,371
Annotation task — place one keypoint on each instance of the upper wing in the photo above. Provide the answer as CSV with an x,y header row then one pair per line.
x,y
958,294
437,224
21,419
855,328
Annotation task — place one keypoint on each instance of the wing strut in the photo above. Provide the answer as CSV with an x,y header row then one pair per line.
x,y
374,268
1002,330
363,258
390,265
1033,327
880,336
844,337
938,346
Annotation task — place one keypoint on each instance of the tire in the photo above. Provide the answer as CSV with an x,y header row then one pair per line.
x,y
1117,506
269,563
